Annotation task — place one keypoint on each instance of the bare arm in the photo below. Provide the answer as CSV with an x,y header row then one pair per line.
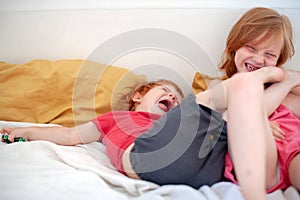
x,y
84,133
278,92
292,102
296,90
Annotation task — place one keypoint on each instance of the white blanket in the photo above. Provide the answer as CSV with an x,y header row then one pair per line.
x,y
44,170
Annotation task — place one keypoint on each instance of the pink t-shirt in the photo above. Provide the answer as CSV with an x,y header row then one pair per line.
x,y
286,148
119,129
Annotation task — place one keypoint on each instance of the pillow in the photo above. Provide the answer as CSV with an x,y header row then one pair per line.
x,y
65,92
202,81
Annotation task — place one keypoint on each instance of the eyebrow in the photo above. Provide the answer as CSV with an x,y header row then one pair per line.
x,y
170,88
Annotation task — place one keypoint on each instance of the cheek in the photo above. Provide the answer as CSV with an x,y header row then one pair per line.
x,y
238,58
271,63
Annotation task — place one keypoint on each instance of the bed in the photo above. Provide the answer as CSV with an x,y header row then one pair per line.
x,y
44,170
66,65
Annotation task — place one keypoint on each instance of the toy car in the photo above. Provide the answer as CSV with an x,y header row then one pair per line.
x,y
18,139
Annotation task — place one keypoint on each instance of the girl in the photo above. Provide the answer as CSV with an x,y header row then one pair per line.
x,y
262,38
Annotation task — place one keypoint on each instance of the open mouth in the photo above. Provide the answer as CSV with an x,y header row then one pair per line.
x,y
250,67
165,105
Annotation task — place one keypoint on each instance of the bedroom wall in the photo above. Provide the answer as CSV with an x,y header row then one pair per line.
x,y
154,36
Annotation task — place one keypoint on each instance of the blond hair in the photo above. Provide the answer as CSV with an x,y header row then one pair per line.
x,y
254,23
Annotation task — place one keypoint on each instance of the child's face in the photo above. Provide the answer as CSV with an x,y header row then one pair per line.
x,y
254,55
158,100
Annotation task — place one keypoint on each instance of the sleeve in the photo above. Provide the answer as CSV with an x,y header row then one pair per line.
x,y
102,123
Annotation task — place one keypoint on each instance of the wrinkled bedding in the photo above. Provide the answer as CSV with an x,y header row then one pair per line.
x,y
44,170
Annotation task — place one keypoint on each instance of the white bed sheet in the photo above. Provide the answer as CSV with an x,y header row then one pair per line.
x,y
44,170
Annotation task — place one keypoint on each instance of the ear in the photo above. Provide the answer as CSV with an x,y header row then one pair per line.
x,y
137,97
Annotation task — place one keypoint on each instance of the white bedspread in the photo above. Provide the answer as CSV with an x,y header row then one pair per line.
x,y
44,170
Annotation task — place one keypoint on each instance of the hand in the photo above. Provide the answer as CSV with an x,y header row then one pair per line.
x,y
276,130
14,133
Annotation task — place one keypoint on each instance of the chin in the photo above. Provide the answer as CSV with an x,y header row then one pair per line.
x,y
157,110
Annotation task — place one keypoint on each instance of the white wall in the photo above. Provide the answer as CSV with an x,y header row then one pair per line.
x,y
140,4
184,35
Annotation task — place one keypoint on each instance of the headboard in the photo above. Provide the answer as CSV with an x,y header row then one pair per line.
x,y
146,36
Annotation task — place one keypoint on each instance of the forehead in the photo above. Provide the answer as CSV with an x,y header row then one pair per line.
x,y
270,41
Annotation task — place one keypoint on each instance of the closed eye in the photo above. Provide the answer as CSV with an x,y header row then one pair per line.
x,y
271,55
168,90
165,89
249,47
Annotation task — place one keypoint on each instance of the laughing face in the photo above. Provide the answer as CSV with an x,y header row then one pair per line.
x,y
255,55
157,100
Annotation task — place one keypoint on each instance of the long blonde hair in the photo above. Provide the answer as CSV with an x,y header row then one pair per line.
x,y
254,23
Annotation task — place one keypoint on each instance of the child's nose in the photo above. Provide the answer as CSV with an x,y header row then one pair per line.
x,y
173,96
258,58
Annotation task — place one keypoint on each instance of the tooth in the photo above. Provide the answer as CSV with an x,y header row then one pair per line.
x,y
250,67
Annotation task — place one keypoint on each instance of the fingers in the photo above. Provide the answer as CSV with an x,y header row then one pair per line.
x,y
5,130
276,130
9,136
278,135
